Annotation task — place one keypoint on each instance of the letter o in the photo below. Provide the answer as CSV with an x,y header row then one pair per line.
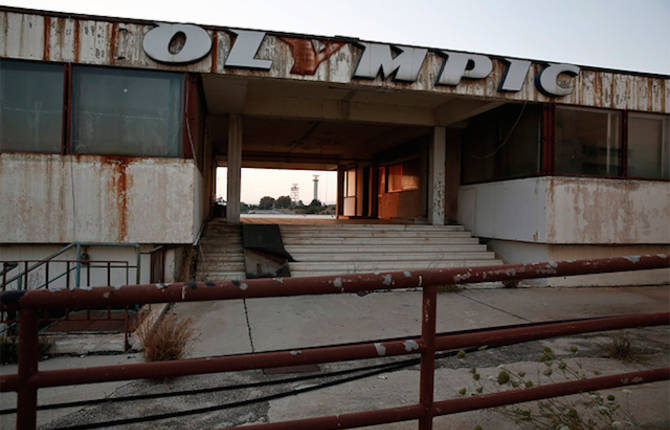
x,y
156,43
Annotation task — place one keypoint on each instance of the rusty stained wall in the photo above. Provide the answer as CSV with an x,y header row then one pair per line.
x,y
87,41
116,199
563,210
590,210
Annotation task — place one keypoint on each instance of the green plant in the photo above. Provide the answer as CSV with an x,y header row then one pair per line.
x,y
165,338
580,412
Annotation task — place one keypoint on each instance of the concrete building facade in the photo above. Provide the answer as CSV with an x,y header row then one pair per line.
x,y
112,129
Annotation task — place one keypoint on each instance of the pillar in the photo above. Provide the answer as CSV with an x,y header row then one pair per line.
x,y
340,191
436,172
234,163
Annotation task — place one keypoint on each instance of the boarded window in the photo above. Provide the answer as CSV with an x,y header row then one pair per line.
x,y
127,112
588,141
31,106
648,148
502,143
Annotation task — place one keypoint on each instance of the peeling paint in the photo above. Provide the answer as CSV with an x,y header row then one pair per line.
x,y
388,280
243,286
633,259
410,345
337,282
407,274
381,351
296,352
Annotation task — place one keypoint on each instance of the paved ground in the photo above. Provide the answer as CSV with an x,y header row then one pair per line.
x,y
236,326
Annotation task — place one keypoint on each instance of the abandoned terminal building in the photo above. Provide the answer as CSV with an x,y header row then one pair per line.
x,y
111,131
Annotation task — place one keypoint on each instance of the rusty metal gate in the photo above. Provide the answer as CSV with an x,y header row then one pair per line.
x,y
30,305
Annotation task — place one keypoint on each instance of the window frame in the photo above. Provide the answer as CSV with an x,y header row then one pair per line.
x,y
65,109
192,94
548,147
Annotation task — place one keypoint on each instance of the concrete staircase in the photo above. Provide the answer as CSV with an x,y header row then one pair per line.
x,y
221,255
358,248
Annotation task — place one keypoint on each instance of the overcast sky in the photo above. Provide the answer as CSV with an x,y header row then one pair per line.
x,y
618,34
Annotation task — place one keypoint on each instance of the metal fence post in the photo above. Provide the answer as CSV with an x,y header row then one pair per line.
x,y
26,411
427,377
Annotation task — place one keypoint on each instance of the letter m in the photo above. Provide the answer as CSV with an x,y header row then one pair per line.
x,y
405,65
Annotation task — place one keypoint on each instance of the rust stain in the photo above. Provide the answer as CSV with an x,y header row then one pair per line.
x,y
76,41
46,40
612,91
112,42
215,51
305,57
650,95
119,186
662,95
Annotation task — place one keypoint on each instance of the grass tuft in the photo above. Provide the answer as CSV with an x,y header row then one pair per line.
x,y
166,338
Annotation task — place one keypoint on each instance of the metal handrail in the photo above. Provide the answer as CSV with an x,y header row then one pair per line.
x,y
78,246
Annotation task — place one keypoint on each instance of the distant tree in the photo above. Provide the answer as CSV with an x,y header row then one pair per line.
x,y
283,202
315,203
266,203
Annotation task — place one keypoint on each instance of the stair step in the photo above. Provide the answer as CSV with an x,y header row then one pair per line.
x,y
383,227
370,248
386,256
222,267
223,276
353,267
286,237
380,241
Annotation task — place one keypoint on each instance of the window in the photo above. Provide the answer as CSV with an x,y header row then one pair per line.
x,y
350,183
31,106
127,112
588,141
648,148
502,143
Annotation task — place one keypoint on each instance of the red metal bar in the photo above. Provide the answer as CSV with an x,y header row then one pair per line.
x,y
52,378
427,377
25,273
167,369
67,275
453,406
344,421
523,334
351,283
26,412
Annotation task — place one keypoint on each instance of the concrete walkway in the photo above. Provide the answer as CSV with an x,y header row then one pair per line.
x,y
266,324
291,322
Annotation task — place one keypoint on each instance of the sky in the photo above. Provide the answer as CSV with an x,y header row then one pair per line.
x,y
618,34
257,183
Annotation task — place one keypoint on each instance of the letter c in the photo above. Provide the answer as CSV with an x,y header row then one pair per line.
x,y
547,80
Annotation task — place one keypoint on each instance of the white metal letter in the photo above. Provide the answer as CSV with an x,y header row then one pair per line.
x,y
454,67
406,65
515,75
156,43
243,51
548,79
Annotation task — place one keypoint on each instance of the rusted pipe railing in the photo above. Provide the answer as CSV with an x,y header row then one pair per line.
x,y
30,379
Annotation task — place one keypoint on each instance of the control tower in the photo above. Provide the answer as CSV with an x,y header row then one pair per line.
x,y
316,187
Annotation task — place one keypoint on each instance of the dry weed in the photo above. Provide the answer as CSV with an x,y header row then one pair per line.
x,y
166,338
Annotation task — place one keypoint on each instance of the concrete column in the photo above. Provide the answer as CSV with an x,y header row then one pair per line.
x,y
436,170
340,191
234,163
